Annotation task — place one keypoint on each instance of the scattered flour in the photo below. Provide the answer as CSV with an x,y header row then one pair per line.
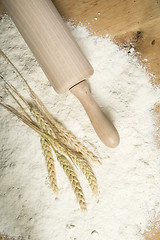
x,y
129,179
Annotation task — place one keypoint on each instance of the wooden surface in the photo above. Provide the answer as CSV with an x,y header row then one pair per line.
x,y
132,24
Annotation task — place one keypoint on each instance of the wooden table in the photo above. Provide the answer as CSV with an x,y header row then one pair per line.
x,y
132,24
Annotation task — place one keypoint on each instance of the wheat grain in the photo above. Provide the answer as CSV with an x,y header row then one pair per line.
x,y
50,164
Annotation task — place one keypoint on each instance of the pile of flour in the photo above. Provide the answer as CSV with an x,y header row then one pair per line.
x,y
129,177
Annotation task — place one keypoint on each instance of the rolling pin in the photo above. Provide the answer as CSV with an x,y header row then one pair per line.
x,y
60,57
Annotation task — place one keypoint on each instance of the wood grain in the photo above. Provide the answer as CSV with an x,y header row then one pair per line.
x,y
130,23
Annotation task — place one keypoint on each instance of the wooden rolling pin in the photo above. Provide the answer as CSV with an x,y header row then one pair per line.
x,y
60,57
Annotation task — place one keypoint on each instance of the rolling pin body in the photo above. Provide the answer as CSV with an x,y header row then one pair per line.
x,y
51,42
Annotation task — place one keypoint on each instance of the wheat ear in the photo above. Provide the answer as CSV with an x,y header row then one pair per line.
x,y
50,164
70,172
85,167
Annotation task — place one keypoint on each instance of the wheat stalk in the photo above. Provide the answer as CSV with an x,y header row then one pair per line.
x,y
55,136
50,164
57,147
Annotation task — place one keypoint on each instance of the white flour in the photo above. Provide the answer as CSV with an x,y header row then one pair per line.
x,y
129,179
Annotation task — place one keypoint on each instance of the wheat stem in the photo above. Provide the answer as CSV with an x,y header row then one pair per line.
x,y
21,107
50,164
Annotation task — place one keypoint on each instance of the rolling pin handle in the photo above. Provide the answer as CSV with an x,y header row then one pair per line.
x,y
102,125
